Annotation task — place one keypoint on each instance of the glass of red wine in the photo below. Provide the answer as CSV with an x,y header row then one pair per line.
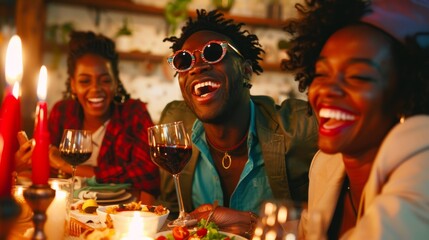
x,y
75,149
171,149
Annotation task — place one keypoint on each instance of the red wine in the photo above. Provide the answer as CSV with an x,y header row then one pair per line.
x,y
171,158
75,158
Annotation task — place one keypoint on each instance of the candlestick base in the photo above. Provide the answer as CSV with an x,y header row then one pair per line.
x,y
39,197
9,212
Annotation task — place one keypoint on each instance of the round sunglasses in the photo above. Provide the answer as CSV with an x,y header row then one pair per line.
x,y
213,52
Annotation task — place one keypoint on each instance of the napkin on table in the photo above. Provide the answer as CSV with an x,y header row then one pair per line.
x,y
93,185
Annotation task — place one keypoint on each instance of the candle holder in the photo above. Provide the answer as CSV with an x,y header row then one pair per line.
x,y
9,212
39,197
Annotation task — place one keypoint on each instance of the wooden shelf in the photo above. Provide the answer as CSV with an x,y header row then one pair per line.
x,y
133,55
140,56
119,5
147,56
129,6
271,66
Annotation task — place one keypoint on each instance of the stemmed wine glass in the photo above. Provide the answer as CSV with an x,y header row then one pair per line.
x,y
171,149
75,148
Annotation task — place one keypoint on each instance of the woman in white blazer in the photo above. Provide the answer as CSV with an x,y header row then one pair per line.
x,y
366,66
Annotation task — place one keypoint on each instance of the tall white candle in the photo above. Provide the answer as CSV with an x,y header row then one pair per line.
x,y
57,213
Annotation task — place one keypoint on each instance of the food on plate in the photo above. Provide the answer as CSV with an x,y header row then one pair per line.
x,y
89,206
98,234
134,206
157,214
76,227
109,221
180,233
201,232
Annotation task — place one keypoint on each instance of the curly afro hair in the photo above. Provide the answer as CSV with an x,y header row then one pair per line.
x,y
321,18
82,43
243,40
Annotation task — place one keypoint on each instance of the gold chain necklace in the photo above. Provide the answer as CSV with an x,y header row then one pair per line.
x,y
226,159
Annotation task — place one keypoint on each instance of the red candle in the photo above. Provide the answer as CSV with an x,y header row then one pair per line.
x,y
40,157
10,115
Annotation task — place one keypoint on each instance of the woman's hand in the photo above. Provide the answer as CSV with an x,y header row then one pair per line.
x,y
23,155
228,220
57,162
55,159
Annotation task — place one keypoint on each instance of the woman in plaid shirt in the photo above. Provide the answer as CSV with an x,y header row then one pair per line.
x,y
96,100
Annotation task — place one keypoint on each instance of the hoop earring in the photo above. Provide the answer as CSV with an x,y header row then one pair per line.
x,y
402,119
247,84
119,98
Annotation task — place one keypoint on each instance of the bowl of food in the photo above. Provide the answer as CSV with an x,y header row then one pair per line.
x,y
133,217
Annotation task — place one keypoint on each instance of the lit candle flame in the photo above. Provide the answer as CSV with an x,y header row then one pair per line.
x,y
19,191
13,65
15,91
42,83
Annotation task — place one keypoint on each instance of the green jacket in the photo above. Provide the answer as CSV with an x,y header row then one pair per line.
x,y
289,141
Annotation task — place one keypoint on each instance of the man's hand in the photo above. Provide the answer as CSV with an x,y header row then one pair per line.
x,y
228,220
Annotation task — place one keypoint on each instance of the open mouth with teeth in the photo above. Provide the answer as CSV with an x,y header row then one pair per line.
x,y
334,118
203,89
96,102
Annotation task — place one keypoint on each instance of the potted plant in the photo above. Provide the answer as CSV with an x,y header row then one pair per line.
x,y
124,37
176,11
223,5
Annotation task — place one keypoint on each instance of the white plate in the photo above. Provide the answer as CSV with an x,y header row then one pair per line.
x,y
101,195
109,195
236,237
120,198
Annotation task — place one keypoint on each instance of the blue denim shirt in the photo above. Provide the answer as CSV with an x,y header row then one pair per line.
x,y
252,188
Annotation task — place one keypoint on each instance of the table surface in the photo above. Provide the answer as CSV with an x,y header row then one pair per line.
x,y
23,229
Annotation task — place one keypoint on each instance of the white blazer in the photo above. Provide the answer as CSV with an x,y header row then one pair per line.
x,y
395,200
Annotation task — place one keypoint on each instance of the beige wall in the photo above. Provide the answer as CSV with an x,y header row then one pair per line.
x,y
153,82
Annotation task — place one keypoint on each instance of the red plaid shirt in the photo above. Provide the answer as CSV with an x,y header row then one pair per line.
x,y
124,153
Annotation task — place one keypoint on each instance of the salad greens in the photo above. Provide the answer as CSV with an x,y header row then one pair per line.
x,y
202,232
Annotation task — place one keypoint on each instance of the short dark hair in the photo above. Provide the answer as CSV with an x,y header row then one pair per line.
x,y
247,43
82,43
321,18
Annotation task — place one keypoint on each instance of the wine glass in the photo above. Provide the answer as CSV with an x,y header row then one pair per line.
x,y
75,148
171,149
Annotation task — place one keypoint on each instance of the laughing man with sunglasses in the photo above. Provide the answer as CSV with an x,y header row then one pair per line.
x,y
246,149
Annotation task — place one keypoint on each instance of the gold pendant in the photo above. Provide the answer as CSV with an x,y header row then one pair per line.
x,y
228,158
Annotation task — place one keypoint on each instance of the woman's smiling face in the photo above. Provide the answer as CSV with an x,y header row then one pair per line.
x,y
94,85
353,90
